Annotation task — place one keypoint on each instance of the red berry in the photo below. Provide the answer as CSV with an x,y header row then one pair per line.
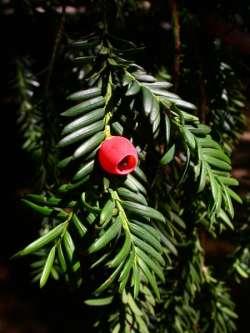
x,y
118,156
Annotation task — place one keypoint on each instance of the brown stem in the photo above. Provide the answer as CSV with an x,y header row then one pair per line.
x,y
202,98
177,40
55,49
203,107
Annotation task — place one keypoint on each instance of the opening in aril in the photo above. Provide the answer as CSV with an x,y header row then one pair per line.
x,y
128,162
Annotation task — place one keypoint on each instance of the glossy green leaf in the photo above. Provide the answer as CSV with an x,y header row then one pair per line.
x,y
46,211
151,264
130,185
167,128
150,277
118,128
81,229
106,237
64,188
217,163
85,94
61,258
216,153
208,142
124,281
235,196
200,130
189,138
84,107
202,177
47,267
89,144
145,235
229,181
133,306
229,312
126,194
83,121
127,266
159,85
142,325
116,328
225,219
123,252
138,173
55,274
84,171
141,210
81,134
168,156
133,89
214,185
136,184
149,228
69,245
42,199
99,301
107,211
155,114
42,241
145,78
165,93
148,100
136,280
184,104
149,249
228,202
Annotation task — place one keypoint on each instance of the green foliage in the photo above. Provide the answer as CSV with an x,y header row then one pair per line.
x,y
132,243
29,117
227,119
219,307
238,261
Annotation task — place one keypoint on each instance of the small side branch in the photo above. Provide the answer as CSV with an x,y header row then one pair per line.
x,y
177,41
